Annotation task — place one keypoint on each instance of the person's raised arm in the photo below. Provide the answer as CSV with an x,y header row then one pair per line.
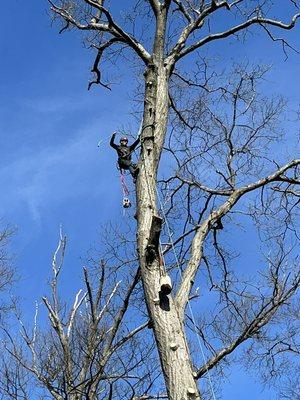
x,y
112,141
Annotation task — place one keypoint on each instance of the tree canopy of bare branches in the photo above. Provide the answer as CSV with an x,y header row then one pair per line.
x,y
211,164
7,275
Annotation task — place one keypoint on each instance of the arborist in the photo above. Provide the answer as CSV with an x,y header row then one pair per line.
x,y
124,154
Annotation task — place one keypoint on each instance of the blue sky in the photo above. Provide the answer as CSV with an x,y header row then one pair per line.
x,y
51,170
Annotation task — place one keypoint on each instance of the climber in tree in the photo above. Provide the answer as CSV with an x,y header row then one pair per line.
x,y
124,154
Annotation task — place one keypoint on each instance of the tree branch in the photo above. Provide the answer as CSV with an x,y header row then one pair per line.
x,y
95,69
129,336
155,6
262,318
193,25
111,27
113,331
204,229
179,51
219,192
183,10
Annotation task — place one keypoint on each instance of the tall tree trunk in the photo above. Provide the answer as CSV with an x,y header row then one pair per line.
x,y
167,326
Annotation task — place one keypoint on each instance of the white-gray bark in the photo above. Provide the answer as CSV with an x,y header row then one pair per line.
x,y
163,311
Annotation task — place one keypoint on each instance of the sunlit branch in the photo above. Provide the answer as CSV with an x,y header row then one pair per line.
x,y
180,51
205,227
111,27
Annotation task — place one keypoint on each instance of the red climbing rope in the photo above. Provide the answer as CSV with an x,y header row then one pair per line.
x,y
123,184
126,201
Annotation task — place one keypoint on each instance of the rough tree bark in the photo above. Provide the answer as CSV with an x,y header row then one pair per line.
x,y
167,324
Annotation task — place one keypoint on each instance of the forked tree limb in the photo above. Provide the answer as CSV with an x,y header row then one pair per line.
x,y
111,27
203,230
179,51
155,5
261,318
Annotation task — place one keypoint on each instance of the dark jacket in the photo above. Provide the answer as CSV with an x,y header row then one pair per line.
x,y
124,152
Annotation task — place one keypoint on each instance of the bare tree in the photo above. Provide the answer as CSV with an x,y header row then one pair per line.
x,y
226,137
7,275
87,350
291,389
226,167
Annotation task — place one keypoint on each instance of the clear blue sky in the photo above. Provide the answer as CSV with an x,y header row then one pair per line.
x,y
51,170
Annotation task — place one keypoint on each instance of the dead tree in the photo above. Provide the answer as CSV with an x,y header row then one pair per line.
x,y
7,279
161,34
89,349
227,137
7,275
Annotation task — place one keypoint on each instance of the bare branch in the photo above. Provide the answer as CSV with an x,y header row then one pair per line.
x,y
76,305
193,25
155,6
111,27
179,51
60,250
203,230
99,316
129,336
183,10
262,318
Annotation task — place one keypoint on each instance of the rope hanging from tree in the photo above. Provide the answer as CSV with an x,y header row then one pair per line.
x,y
126,201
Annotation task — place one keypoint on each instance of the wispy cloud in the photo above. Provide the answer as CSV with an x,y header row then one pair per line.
x,y
56,173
